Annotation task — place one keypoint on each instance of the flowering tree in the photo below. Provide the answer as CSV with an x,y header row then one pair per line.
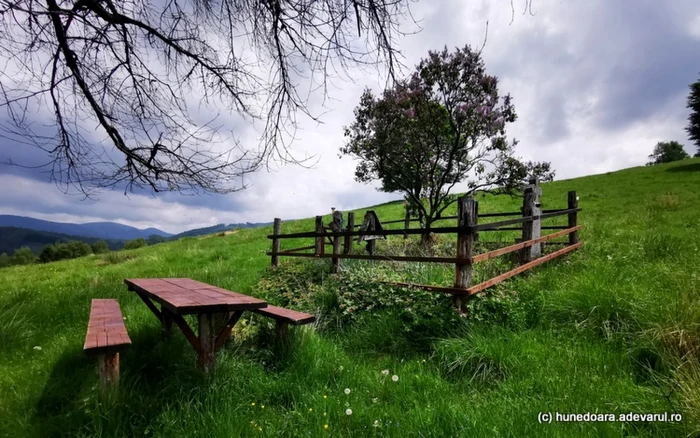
x,y
444,125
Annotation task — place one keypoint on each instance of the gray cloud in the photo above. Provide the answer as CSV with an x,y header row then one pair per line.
x,y
595,84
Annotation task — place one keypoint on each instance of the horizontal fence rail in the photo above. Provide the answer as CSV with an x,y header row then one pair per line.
x,y
440,230
492,282
528,249
522,245
378,257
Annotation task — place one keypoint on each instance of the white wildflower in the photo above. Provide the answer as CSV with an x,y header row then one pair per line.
x,y
385,372
348,412
347,391
395,378
37,348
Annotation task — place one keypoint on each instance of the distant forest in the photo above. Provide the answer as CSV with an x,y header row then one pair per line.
x,y
20,246
14,238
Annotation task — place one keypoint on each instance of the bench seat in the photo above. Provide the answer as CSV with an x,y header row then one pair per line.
x,y
106,337
106,331
282,315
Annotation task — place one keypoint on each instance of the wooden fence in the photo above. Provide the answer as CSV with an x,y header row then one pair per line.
x,y
467,230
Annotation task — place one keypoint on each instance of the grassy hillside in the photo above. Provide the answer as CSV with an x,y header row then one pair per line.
x,y
614,328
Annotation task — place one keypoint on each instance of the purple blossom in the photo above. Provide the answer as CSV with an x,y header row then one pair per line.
x,y
410,113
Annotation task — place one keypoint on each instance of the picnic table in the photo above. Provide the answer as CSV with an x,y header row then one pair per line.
x,y
218,310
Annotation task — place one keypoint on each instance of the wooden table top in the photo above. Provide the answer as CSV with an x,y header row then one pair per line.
x,y
187,296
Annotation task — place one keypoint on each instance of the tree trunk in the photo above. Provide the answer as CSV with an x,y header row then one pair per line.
x,y
426,238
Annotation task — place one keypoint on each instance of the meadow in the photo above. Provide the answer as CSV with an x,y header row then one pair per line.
x,y
611,328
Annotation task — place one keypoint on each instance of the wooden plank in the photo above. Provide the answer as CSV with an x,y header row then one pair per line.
x,y
385,258
400,232
500,224
187,296
303,248
498,252
481,286
286,315
500,278
106,331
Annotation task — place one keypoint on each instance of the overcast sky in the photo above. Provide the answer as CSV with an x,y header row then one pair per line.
x,y
596,85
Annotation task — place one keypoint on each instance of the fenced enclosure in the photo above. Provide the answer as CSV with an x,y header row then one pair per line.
x,y
529,246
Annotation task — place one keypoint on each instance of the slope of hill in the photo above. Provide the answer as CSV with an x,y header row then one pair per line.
x,y
101,230
613,328
12,238
217,228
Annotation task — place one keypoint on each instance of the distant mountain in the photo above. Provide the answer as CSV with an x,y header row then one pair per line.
x,y
218,228
100,230
12,238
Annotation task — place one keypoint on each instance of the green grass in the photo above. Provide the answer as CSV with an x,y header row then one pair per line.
x,y
613,328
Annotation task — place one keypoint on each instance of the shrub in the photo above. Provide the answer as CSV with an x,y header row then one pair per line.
x,y
5,260
76,248
357,296
100,247
62,251
499,306
135,243
48,254
23,256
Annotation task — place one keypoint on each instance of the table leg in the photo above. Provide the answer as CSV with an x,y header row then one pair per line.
x,y
207,339
166,321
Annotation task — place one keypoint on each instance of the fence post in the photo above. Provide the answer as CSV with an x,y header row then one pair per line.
x,y
372,245
406,220
573,217
347,244
532,229
466,217
336,251
276,242
476,220
320,244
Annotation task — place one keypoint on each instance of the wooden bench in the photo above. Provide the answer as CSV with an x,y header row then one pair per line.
x,y
106,337
285,317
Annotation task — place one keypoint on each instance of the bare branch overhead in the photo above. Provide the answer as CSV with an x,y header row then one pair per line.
x,y
109,89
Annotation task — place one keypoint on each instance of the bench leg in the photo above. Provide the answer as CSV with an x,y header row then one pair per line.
x,y
282,330
207,339
108,365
